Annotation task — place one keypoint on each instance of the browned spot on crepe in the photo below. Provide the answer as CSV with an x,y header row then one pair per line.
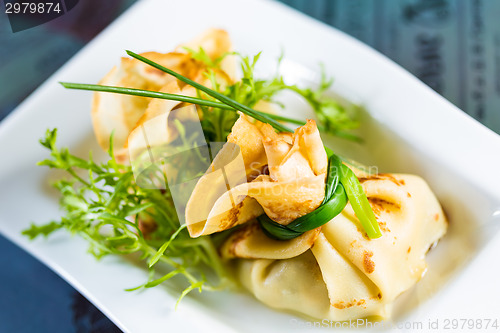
x,y
343,305
242,234
378,205
231,218
368,264
383,226
381,176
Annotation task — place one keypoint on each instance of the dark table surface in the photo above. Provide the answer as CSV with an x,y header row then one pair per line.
x,y
451,45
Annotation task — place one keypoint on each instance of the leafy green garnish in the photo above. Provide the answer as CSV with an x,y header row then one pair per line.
x,y
203,57
44,230
112,212
333,117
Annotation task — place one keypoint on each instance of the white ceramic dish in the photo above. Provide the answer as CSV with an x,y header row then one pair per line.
x,y
409,128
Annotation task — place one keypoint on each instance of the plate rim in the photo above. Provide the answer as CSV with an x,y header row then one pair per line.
x,y
11,120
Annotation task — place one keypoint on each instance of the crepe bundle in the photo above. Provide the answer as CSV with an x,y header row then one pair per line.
x,y
334,272
121,114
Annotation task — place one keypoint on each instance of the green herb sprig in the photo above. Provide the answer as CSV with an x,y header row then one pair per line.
x,y
333,117
107,209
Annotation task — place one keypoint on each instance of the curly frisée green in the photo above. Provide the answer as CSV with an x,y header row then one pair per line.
x,y
110,211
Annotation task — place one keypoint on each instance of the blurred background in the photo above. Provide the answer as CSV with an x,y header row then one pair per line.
x,y
451,45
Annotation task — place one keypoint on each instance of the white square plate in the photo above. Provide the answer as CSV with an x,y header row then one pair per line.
x,y
408,128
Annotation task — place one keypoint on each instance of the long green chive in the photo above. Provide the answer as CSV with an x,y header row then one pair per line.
x,y
341,185
173,97
224,99
144,93
359,201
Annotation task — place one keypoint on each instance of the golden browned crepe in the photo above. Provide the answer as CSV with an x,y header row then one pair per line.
x,y
333,272
123,113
